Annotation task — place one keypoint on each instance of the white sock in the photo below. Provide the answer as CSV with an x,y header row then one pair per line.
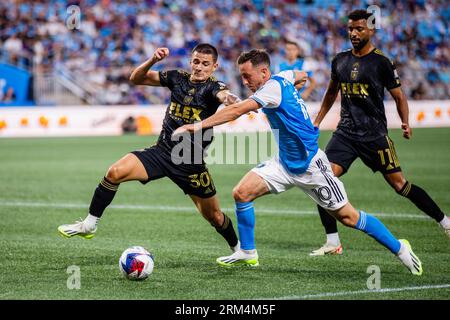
x,y
252,251
445,223
91,221
333,239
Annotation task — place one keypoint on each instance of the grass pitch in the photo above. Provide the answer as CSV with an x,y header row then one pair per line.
x,y
48,182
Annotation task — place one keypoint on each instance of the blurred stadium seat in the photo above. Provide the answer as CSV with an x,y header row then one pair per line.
x,y
92,65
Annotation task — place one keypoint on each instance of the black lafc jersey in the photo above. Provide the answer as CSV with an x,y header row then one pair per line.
x,y
362,81
189,102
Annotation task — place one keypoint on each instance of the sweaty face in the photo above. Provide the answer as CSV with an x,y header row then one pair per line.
x,y
202,66
253,77
359,33
292,51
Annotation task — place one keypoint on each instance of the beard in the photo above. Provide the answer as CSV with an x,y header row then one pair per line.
x,y
360,44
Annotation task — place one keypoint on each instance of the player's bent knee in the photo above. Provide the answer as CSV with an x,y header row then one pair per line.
x,y
347,216
349,221
216,219
396,181
114,174
398,185
240,195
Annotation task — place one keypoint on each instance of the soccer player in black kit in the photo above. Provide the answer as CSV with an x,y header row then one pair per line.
x,y
194,96
362,74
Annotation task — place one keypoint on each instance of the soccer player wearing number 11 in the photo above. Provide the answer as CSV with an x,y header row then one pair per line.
x,y
361,75
300,162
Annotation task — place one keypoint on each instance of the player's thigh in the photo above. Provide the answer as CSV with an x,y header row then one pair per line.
x,y
127,168
250,187
321,184
341,152
153,161
380,155
267,177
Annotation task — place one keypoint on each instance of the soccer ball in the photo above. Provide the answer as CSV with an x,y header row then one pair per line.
x,y
136,263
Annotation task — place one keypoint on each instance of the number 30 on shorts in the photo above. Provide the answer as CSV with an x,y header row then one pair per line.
x,y
203,179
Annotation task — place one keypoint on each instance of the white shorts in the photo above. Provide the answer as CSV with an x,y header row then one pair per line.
x,y
318,181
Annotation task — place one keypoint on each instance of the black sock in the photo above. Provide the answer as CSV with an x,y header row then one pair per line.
x,y
422,200
227,231
328,221
103,195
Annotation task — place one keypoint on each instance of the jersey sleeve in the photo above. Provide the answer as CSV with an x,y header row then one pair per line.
x,y
389,75
334,76
289,75
168,78
217,87
269,95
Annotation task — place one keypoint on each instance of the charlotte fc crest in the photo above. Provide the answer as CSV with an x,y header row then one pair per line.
x,y
355,71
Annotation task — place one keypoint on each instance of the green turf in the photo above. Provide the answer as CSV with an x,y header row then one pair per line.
x,y
40,178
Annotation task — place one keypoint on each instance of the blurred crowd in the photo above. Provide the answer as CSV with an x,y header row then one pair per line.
x,y
116,36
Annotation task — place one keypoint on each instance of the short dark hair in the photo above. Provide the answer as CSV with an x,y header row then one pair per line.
x,y
359,15
206,48
255,56
291,42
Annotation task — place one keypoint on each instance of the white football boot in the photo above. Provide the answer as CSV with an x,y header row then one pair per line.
x,y
239,258
445,224
409,259
76,229
327,249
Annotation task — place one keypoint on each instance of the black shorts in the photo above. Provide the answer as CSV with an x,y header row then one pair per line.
x,y
193,179
378,155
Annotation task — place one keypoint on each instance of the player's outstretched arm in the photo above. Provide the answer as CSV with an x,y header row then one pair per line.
x,y
227,98
142,75
402,109
327,102
227,114
230,113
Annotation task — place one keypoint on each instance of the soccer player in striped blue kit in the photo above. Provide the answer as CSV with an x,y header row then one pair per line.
x,y
299,163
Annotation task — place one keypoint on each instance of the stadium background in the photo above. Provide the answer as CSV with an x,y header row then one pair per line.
x,y
60,82
115,36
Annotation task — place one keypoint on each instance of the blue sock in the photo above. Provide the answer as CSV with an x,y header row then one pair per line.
x,y
245,214
374,228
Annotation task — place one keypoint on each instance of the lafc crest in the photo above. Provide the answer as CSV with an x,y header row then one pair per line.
x,y
355,71
188,99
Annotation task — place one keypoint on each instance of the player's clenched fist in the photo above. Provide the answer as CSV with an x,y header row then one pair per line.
x,y
407,132
160,54
300,79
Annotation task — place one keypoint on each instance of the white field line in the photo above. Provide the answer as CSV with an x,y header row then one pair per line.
x,y
350,293
265,211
